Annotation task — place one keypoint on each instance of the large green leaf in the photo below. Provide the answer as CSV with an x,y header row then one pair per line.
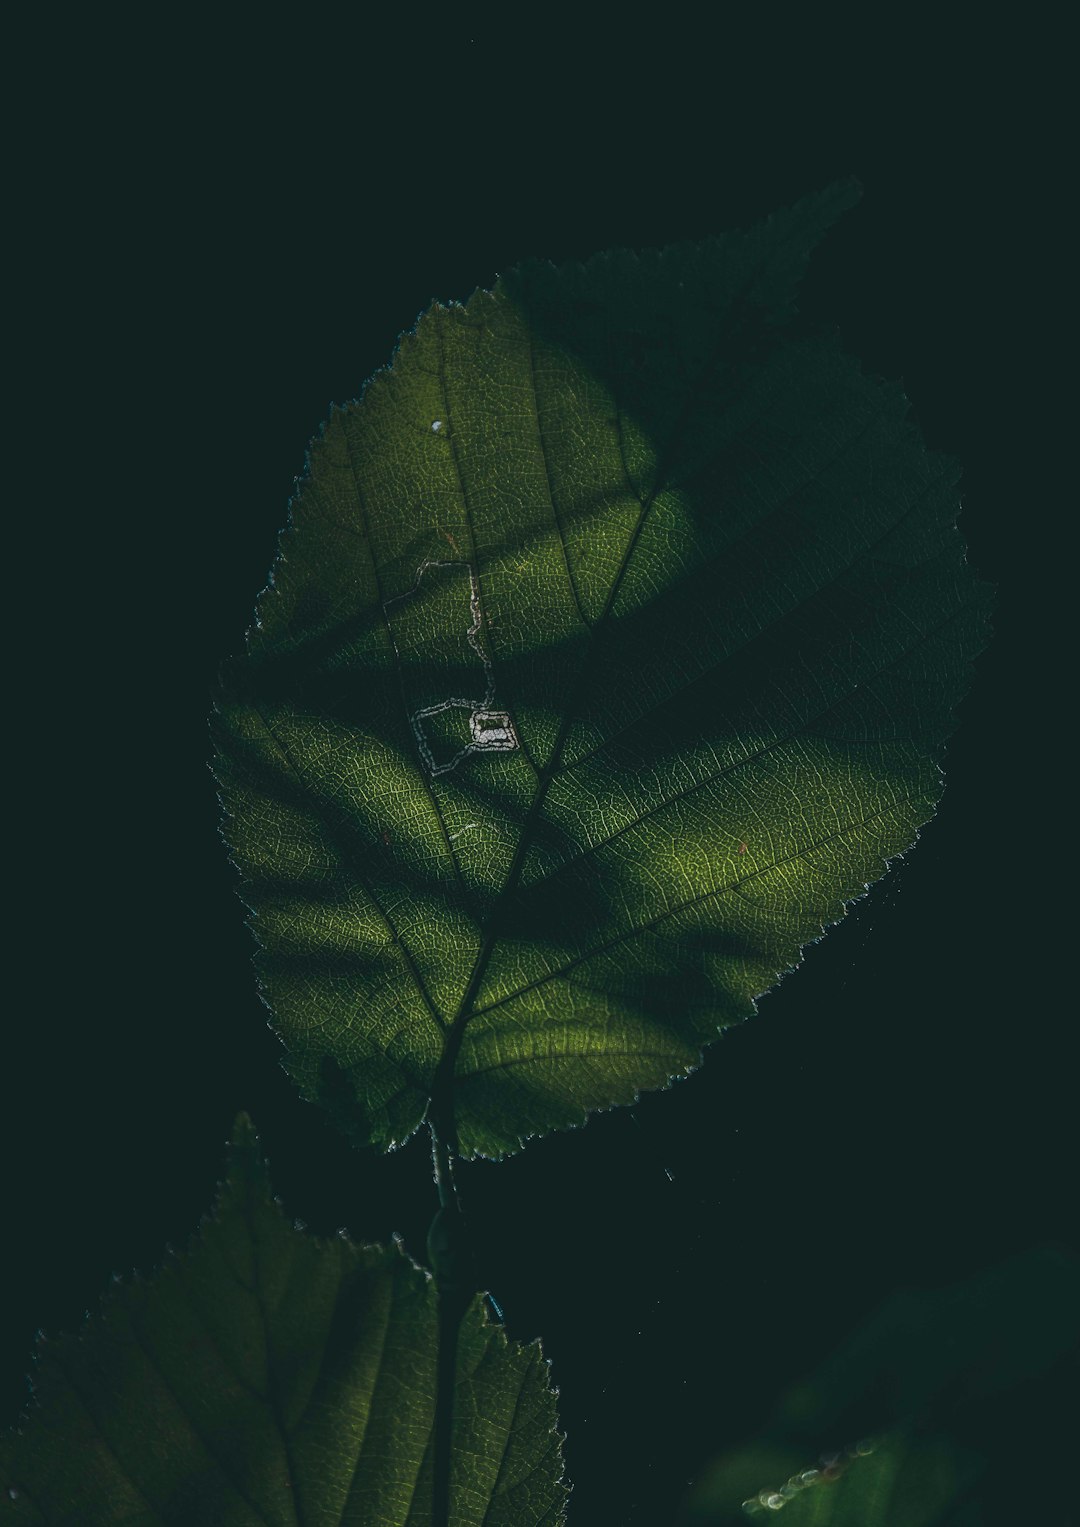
x,y
608,654
267,1377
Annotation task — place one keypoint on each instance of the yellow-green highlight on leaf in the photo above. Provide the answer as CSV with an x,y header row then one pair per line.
x,y
609,653
266,1378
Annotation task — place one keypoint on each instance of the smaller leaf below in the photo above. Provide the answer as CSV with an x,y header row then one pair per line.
x,y
268,1377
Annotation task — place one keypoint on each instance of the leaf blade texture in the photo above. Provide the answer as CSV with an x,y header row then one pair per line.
x,y
608,656
267,1377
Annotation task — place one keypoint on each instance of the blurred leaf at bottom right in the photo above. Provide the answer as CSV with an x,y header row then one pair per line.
x,y
951,1407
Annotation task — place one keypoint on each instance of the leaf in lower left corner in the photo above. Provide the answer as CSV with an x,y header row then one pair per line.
x,y
268,1377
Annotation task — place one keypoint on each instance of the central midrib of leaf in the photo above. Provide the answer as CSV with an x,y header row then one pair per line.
x,y
441,1109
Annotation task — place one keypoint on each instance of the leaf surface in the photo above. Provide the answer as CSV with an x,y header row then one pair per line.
x,y
609,653
267,1377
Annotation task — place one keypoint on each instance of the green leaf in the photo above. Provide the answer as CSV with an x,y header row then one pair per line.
x,y
609,654
267,1377
945,1385
892,1482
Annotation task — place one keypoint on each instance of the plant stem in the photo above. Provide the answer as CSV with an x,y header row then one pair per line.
x,y
451,1264
445,1376
442,1161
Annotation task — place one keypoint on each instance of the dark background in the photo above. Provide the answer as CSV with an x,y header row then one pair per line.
x,y
223,229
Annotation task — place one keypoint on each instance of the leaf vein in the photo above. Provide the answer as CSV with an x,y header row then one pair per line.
x,y
682,906
794,735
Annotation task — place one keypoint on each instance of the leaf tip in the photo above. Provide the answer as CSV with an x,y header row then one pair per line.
x,y
243,1148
